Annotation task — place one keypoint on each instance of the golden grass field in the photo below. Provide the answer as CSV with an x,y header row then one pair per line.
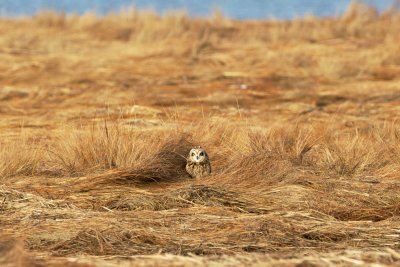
x,y
300,119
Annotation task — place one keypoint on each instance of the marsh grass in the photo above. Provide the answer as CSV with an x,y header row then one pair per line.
x,y
113,145
299,119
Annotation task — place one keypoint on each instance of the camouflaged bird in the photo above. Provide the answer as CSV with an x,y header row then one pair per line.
x,y
198,164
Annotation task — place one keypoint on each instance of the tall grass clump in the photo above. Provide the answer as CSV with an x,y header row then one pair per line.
x,y
20,157
106,147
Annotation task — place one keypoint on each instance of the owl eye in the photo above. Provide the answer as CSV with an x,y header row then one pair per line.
x,y
192,154
201,154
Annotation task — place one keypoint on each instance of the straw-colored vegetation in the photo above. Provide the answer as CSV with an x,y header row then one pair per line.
x,y
299,119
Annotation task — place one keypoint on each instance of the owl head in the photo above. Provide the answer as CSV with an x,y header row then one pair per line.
x,y
198,155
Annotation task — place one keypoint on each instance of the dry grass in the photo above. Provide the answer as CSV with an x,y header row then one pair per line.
x,y
299,119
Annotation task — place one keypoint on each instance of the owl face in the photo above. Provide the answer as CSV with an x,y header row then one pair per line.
x,y
198,155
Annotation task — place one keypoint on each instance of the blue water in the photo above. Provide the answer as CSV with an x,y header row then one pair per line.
x,y
238,9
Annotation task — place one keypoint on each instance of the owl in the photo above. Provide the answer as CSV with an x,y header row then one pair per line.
x,y
198,164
